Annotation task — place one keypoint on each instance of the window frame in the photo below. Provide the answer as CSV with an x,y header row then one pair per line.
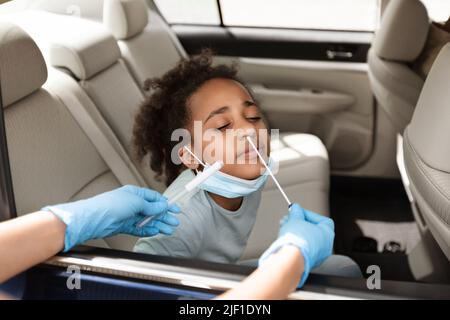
x,y
209,278
7,201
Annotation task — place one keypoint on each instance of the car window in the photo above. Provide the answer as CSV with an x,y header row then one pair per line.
x,y
190,12
361,15
438,10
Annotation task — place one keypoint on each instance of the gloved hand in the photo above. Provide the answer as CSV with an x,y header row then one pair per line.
x,y
312,233
115,212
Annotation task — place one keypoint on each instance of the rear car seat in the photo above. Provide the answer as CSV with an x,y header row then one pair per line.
x,y
148,46
87,51
52,160
84,48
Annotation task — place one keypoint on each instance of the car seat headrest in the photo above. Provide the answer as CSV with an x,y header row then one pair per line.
x,y
125,18
22,66
403,31
81,46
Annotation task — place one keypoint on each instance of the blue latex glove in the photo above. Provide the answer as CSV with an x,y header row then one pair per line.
x,y
312,233
115,212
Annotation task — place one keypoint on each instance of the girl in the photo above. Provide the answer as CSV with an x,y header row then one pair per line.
x,y
216,222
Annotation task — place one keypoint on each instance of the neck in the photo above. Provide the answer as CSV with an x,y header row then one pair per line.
x,y
231,204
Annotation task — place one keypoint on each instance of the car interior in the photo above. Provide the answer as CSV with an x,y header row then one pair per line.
x,y
363,135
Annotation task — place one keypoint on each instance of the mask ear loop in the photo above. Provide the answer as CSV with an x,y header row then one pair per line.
x,y
196,158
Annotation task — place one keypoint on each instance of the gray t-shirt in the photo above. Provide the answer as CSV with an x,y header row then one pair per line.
x,y
206,231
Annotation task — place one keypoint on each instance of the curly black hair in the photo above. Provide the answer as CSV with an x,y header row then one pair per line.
x,y
166,109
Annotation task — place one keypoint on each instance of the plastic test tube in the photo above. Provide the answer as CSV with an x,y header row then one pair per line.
x,y
202,176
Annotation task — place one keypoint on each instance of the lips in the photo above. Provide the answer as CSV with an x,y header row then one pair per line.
x,y
250,153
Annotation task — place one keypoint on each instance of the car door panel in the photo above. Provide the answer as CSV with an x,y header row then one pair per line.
x,y
310,81
329,99
276,43
302,100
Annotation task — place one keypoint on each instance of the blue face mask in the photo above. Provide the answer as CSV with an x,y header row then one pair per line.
x,y
229,186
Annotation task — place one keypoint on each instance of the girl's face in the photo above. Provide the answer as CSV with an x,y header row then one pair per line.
x,y
227,113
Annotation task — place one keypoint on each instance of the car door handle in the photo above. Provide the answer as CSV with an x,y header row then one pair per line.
x,y
306,101
333,54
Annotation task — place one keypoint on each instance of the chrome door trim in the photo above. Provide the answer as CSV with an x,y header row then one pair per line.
x,y
149,271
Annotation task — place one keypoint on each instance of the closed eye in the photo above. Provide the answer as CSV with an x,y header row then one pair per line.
x,y
249,103
223,127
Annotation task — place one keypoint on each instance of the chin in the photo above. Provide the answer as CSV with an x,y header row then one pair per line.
x,y
246,171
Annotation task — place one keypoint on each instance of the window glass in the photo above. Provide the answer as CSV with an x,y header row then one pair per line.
x,y
190,11
438,10
361,15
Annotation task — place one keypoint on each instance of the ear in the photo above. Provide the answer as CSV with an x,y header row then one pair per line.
x,y
187,159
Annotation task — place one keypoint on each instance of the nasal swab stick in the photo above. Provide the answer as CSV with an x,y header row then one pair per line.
x,y
270,171
195,157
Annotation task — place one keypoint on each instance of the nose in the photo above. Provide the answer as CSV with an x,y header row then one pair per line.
x,y
247,132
